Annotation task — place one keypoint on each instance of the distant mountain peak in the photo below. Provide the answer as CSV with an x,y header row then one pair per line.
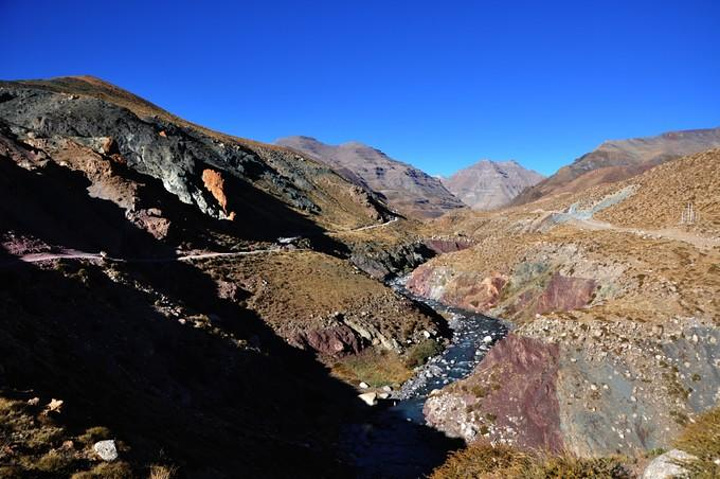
x,y
489,184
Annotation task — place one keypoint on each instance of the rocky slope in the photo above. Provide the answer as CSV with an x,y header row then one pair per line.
x,y
488,185
405,188
618,336
620,159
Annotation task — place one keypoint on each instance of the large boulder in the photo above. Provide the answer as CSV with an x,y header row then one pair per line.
x,y
666,466
106,450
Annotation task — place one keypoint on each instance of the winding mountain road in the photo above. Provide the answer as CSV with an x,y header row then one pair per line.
x,y
77,254
702,242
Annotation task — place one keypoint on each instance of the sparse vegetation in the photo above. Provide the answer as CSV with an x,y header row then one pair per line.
x,y
162,472
32,444
483,461
376,369
421,352
701,439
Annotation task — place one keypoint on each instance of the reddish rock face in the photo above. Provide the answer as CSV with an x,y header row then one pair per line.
x,y
467,290
333,341
440,246
511,396
562,293
565,294
215,184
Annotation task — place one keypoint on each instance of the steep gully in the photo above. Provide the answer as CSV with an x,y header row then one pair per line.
x,y
394,441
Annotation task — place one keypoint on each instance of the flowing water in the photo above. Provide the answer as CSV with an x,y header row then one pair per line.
x,y
395,442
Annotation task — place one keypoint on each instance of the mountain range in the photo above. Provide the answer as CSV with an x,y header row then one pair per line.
x,y
620,159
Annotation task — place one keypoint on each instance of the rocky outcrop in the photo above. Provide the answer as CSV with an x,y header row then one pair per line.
x,y
387,261
467,290
448,245
510,398
488,185
561,293
215,184
404,187
333,341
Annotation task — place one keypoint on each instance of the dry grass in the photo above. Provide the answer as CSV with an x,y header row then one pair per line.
x,y
376,369
702,440
32,444
107,470
483,461
665,190
162,472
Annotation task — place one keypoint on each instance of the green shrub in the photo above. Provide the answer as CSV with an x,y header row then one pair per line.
x,y
421,352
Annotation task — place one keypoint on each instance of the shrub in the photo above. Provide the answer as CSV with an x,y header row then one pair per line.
x,y
702,440
421,352
162,472
376,369
53,462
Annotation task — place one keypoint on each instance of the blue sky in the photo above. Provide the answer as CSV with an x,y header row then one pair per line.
x,y
436,84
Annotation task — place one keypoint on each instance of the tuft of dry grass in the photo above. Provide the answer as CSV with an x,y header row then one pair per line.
x,y
375,368
158,471
106,470
484,461
702,440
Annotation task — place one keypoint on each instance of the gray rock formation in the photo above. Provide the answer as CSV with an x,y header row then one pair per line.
x,y
106,450
488,184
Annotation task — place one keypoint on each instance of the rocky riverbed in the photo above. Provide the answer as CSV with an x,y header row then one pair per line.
x,y
394,440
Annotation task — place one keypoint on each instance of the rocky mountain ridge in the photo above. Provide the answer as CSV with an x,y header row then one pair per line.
x,y
620,159
404,187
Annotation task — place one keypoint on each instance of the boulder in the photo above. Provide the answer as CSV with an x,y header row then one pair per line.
x,y
665,467
369,398
106,450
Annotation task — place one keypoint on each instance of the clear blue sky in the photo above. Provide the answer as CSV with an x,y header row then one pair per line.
x,y
438,84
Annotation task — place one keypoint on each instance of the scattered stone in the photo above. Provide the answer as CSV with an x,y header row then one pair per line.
x,y
55,405
664,467
106,450
369,398
364,385
487,339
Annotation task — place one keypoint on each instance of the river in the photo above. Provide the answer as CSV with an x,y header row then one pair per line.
x,y
394,441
